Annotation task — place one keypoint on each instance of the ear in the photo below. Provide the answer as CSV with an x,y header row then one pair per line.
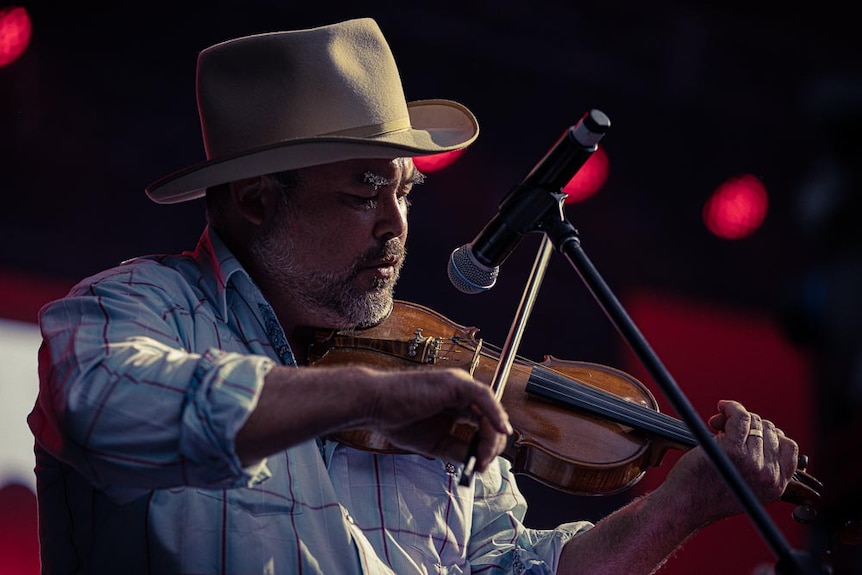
x,y
252,197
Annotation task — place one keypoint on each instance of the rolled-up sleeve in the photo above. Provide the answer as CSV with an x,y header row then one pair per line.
x,y
122,398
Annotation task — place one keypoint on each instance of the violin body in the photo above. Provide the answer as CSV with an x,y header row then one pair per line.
x,y
576,452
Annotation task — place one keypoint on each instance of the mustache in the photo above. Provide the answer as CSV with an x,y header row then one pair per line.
x,y
392,248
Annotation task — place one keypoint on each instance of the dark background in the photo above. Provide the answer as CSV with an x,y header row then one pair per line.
x,y
102,103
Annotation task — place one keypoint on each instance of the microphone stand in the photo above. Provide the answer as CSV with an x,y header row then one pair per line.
x,y
564,237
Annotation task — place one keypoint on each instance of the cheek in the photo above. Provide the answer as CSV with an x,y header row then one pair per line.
x,y
332,241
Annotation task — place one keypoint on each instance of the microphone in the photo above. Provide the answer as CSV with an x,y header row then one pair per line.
x,y
473,268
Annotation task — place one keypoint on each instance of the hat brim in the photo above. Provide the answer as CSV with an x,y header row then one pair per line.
x,y
436,126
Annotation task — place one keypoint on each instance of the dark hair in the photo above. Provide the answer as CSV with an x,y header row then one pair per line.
x,y
216,198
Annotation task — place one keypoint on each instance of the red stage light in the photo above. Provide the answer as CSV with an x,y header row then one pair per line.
x,y
436,162
589,179
19,540
15,28
737,208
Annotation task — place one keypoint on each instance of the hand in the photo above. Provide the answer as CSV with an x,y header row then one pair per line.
x,y
417,410
765,458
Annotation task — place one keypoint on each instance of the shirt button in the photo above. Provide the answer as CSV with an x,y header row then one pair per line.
x,y
350,519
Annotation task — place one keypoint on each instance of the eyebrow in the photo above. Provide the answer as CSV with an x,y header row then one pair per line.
x,y
376,180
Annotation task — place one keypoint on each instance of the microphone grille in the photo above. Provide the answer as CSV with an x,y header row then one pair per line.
x,y
469,276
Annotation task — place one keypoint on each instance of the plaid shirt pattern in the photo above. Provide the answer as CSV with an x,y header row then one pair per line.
x,y
147,372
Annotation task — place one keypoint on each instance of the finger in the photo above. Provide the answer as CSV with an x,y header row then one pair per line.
x,y
738,421
770,436
789,456
491,444
718,421
488,406
801,459
754,438
726,408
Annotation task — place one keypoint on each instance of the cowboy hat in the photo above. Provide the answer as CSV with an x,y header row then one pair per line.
x,y
285,100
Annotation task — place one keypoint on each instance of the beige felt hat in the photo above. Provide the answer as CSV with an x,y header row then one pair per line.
x,y
285,100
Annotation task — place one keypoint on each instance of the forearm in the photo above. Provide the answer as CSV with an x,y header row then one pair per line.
x,y
298,404
413,409
636,539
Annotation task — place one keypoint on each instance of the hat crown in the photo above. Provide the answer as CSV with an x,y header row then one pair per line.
x,y
261,90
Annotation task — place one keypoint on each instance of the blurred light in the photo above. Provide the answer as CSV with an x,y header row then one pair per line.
x,y
589,179
19,540
15,28
436,162
737,208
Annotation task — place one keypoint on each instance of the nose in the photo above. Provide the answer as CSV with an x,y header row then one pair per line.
x,y
391,217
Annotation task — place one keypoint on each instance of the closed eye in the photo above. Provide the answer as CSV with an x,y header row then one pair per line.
x,y
371,202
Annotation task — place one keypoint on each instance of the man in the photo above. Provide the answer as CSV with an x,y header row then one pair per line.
x,y
177,427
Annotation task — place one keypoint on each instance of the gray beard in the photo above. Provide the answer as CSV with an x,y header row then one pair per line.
x,y
333,296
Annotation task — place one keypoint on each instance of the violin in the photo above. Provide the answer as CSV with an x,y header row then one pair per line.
x,y
580,428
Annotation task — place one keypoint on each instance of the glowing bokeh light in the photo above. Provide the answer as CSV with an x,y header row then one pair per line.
x,y
15,29
589,179
736,208
436,162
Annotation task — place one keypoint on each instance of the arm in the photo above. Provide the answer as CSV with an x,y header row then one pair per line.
x,y
414,409
641,536
635,539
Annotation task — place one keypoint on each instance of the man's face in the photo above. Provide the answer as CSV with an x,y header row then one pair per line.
x,y
335,249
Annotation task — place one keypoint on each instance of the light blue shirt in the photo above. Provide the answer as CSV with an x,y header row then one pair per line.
x,y
147,372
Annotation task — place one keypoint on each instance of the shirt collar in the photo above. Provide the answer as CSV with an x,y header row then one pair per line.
x,y
212,253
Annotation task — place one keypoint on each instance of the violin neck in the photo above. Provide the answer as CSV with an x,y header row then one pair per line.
x,y
549,385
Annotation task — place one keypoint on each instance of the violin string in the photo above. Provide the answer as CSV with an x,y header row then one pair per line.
x,y
608,405
601,402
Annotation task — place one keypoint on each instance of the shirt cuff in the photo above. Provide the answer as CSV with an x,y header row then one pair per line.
x,y
224,392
